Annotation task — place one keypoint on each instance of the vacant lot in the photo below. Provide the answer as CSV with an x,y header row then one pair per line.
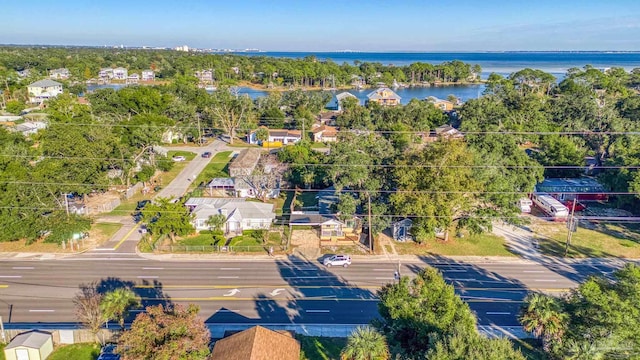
x,y
469,245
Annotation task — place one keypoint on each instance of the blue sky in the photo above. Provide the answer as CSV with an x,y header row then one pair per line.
x,y
328,25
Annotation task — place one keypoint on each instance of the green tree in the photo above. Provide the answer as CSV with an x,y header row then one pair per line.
x,y
262,134
216,222
543,316
463,346
365,343
230,112
165,217
166,333
15,106
116,304
413,311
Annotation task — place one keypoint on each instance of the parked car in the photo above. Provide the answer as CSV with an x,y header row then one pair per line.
x,y
108,353
206,154
141,204
179,158
337,260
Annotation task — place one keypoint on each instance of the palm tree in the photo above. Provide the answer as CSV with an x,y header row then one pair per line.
x,y
116,303
365,343
216,222
542,315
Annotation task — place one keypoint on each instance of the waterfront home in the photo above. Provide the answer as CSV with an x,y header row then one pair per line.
x,y
61,73
106,74
328,118
384,96
204,75
340,97
244,163
133,79
358,82
239,214
120,73
43,90
444,105
148,75
276,138
325,133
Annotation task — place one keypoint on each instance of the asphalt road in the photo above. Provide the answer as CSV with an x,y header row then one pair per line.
x,y
280,291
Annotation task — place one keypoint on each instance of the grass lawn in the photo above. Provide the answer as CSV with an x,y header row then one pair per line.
x,y
187,154
601,240
2,351
248,239
198,240
469,245
320,348
88,351
107,229
218,167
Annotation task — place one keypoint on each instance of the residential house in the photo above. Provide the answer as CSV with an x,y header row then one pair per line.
x,y
276,138
401,230
204,75
106,74
358,82
328,118
444,105
120,73
384,96
133,78
61,73
337,104
43,90
241,187
244,163
325,133
332,230
148,75
30,345
583,189
30,128
448,132
24,73
240,214
257,343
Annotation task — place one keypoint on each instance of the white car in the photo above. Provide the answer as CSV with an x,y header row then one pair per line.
x,y
179,158
337,260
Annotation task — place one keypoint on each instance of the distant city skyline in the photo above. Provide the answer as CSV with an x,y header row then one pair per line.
x,y
330,25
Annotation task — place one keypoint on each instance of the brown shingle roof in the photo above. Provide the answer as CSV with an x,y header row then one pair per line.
x,y
257,343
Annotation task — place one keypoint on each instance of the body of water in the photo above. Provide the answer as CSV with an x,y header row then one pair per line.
x,y
556,63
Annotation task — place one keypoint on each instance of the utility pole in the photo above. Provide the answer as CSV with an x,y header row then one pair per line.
x,y
66,203
4,338
370,226
571,226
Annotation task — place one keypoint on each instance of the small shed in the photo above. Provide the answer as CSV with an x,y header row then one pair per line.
x,y
257,343
31,345
402,230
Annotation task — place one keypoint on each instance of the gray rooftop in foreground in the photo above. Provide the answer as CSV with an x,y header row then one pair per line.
x,y
32,339
45,83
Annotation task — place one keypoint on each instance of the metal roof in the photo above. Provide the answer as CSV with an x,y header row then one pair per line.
x,y
32,339
45,83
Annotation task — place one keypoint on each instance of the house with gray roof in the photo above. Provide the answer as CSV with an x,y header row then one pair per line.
x,y
240,214
32,345
337,103
62,73
43,90
384,96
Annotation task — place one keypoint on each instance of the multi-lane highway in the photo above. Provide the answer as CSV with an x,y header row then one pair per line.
x,y
286,290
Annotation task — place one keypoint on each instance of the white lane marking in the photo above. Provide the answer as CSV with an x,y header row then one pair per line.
x,y
316,311
228,277
230,269
152,268
463,279
308,277
276,292
483,298
453,270
383,269
533,271
306,269
147,277
10,276
497,313
23,268
42,310
232,292
384,278
546,280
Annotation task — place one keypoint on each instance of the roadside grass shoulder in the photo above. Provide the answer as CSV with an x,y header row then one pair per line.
x,y
218,167
599,240
320,348
106,230
469,245
86,351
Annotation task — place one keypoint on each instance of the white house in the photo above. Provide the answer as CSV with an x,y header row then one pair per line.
x,y
281,136
341,97
133,78
43,90
120,73
240,214
204,75
148,75
325,133
61,73
30,128
106,73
